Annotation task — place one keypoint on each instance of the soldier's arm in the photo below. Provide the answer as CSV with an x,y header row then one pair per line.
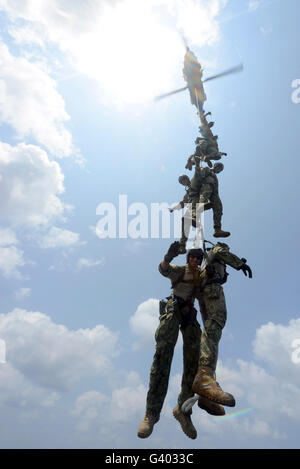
x,y
170,271
228,257
164,267
178,206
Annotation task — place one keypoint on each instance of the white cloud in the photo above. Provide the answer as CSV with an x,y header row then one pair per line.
x,y
89,408
254,4
27,34
60,238
11,258
83,29
22,293
58,20
45,359
197,20
30,186
109,415
7,237
63,20
144,323
86,263
17,391
50,355
266,31
273,345
31,104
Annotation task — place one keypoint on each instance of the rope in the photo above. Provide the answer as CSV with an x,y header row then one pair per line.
x,y
200,229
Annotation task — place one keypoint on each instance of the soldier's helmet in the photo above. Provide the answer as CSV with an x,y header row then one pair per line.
x,y
195,252
184,179
218,167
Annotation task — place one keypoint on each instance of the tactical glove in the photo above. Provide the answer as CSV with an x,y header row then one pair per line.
x,y
245,268
172,252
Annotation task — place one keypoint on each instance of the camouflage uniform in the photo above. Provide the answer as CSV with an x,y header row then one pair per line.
x,y
193,212
209,191
212,301
179,313
208,148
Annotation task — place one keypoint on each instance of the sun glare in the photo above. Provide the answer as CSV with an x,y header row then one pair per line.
x,y
131,55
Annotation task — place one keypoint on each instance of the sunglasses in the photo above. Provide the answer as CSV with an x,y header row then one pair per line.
x,y
196,257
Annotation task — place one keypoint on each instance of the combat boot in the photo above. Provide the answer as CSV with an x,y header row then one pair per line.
x,y
210,407
146,427
205,385
220,233
185,422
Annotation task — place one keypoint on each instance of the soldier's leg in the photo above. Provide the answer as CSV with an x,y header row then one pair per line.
x,y
191,335
166,337
205,193
214,319
215,314
217,211
217,216
191,344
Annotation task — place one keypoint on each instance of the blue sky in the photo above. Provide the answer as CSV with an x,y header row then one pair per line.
x,y
79,128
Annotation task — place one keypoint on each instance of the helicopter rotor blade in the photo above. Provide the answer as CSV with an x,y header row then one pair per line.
x,y
230,71
162,96
236,69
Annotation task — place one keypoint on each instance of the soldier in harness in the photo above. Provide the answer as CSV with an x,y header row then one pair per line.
x,y
202,193
193,212
178,313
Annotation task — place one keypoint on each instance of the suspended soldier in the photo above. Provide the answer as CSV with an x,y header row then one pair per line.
x,y
209,194
177,313
203,194
214,314
192,214
206,151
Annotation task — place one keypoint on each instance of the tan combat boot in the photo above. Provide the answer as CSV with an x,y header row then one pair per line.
x,y
205,385
185,422
220,233
210,407
146,427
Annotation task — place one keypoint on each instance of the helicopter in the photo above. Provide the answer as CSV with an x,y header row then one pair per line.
x,y
193,75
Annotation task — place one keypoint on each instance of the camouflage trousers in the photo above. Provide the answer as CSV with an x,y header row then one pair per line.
x,y
174,318
207,191
214,314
